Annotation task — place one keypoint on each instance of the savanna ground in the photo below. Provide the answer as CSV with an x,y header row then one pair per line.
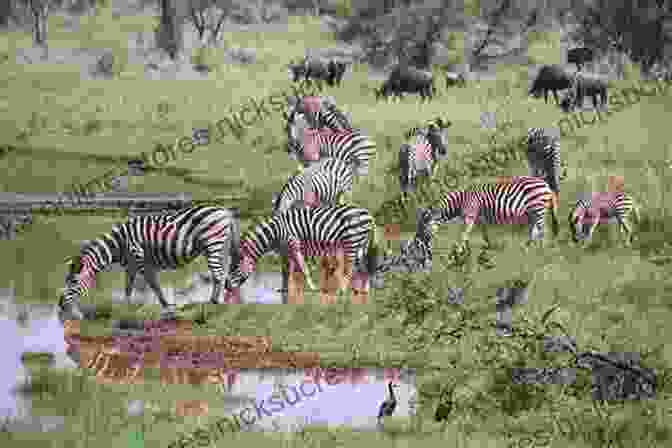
x,y
610,298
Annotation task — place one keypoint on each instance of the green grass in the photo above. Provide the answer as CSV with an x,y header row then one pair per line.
x,y
610,298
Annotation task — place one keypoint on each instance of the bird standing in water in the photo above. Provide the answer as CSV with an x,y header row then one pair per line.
x,y
388,406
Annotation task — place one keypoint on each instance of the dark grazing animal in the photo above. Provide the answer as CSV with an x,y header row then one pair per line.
x,y
337,70
146,245
553,78
581,87
580,56
410,80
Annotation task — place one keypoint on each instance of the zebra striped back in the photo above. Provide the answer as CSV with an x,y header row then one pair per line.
x,y
543,156
591,210
316,231
168,241
352,147
330,179
500,203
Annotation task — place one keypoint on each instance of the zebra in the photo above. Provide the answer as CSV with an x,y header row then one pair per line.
x,y
318,112
152,243
543,157
504,202
309,145
330,181
301,232
437,122
590,210
415,254
425,149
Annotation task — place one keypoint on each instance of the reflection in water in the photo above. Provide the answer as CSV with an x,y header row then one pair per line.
x,y
278,399
26,328
261,287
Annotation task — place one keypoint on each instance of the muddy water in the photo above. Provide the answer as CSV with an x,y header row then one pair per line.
x,y
352,399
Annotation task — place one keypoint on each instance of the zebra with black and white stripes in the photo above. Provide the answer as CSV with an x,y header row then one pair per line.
x,y
318,112
308,145
590,210
416,255
309,232
148,244
543,157
515,200
437,122
322,184
420,155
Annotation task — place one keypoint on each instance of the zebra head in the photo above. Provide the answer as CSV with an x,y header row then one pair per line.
x,y
579,221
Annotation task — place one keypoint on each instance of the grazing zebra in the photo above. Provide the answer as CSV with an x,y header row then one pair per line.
x,y
329,180
152,243
415,254
420,156
437,122
309,145
590,210
543,157
506,202
309,232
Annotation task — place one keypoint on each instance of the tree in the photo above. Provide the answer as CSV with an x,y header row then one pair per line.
x,y
6,11
637,29
169,34
207,16
39,9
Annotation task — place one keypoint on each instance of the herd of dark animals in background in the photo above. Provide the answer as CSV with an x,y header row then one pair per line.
x,y
316,69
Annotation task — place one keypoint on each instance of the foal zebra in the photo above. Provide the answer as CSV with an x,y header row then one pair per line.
x,y
148,244
543,157
329,181
506,202
309,145
437,122
426,148
416,254
591,210
302,232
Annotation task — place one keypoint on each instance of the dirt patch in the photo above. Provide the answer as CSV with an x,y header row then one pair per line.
x,y
181,357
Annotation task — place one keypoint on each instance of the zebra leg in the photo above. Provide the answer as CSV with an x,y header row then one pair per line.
x,y
152,278
131,273
625,229
536,228
486,238
303,267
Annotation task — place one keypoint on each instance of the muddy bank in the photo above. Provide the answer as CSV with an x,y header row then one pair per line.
x,y
180,356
